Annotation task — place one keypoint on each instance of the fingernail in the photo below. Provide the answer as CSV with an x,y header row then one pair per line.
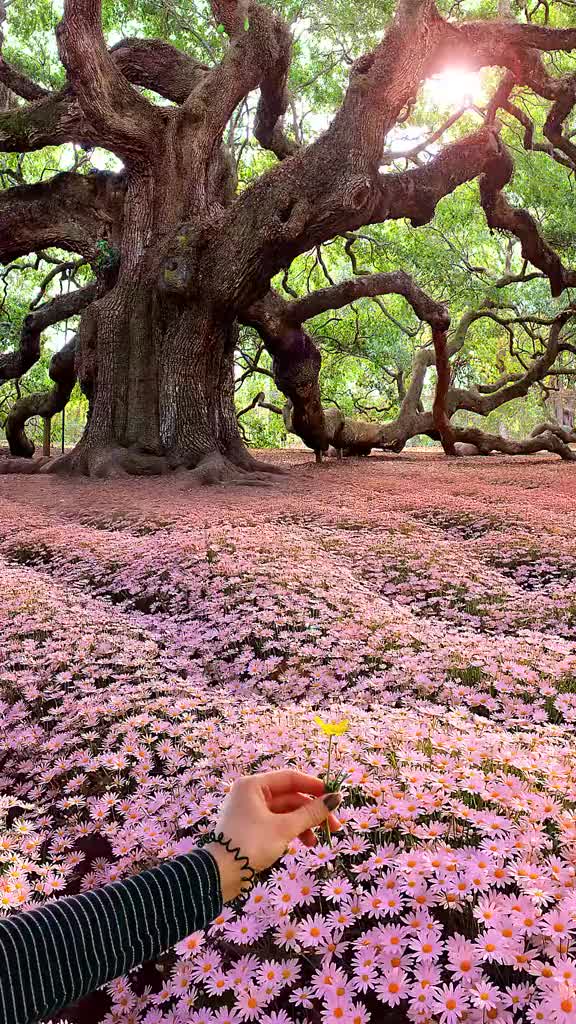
x,y
332,800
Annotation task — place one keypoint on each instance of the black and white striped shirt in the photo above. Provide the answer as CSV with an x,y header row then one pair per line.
x,y
52,956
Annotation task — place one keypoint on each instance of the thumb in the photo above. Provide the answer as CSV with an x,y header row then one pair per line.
x,y
312,813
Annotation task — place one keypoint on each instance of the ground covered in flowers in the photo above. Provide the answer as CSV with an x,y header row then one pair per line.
x,y
157,641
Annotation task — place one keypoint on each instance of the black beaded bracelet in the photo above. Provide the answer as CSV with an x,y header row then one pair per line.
x,y
247,883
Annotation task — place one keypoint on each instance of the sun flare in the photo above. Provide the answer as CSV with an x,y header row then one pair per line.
x,y
453,88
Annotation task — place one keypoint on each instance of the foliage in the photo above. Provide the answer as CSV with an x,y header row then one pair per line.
x,y
107,256
454,258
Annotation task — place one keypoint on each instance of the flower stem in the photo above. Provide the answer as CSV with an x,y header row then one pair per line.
x,y
327,825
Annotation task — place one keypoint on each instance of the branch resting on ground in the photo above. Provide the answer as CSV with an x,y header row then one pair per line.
x,y
296,360
44,403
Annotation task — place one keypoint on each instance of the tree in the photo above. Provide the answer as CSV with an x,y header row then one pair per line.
x,y
181,258
360,436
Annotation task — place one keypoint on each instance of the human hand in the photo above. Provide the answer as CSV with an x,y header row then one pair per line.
x,y
262,814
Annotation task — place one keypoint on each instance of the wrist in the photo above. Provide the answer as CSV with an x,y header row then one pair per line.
x,y
231,871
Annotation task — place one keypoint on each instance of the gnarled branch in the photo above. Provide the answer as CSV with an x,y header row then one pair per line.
x,y
567,436
477,44
15,364
42,403
415,193
472,400
123,118
369,286
57,117
548,441
259,56
71,211
502,215
158,66
296,361
13,79
295,366
19,84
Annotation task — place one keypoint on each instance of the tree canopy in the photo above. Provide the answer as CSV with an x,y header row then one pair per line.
x,y
400,182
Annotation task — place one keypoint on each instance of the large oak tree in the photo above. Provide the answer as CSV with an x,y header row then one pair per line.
x,y
182,257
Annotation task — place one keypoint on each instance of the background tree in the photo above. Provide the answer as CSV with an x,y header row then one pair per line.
x,y
198,230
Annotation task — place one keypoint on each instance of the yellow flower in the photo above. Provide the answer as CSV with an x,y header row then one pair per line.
x,y
332,728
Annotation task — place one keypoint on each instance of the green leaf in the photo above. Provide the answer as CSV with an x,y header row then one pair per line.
x,y
246,24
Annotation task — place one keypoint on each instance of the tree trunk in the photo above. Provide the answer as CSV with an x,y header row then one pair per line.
x,y
160,381
159,372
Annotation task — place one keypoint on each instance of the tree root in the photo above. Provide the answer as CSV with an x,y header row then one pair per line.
x,y
215,469
100,463
242,459
110,463
238,466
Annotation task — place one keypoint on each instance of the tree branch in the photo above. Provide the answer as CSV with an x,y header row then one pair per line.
x,y
58,118
13,79
156,65
547,441
369,286
257,400
44,403
472,400
67,268
125,121
15,364
501,43
259,56
415,193
51,121
19,83
528,139
294,365
500,214
568,436
334,185
390,156
71,211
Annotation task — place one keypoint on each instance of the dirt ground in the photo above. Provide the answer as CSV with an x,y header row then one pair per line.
x,y
378,480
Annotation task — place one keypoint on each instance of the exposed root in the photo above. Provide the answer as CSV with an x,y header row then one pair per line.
x,y
106,463
215,469
115,462
242,459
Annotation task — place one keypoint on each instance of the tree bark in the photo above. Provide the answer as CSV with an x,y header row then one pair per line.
x,y
161,390
192,259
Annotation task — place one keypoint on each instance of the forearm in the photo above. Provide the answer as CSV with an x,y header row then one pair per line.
x,y
51,957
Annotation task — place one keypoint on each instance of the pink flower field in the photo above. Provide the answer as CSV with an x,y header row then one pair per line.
x,y
158,641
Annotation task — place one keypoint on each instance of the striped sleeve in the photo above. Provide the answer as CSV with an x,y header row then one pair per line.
x,y
52,956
